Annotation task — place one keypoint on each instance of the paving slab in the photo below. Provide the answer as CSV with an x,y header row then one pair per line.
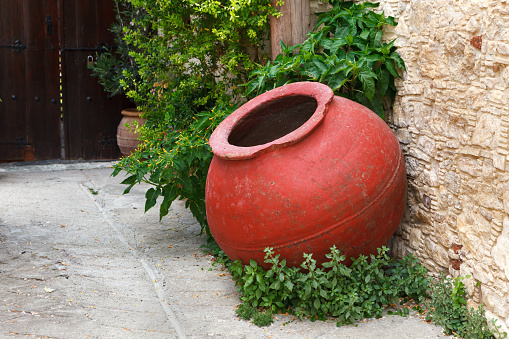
x,y
80,260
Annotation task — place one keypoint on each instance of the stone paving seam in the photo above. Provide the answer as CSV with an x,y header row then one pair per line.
x,y
139,256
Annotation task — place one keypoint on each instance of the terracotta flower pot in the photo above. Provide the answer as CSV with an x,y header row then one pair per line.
x,y
300,170
127,138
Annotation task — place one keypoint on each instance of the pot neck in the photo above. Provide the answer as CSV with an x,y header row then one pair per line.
x,y
259,125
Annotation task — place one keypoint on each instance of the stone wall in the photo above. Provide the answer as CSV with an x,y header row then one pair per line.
x,y
452,118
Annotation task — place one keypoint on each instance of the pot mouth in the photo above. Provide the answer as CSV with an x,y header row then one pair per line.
x,y
131,112
275,119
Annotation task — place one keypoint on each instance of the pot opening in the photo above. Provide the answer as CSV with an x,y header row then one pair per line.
x,y
273,121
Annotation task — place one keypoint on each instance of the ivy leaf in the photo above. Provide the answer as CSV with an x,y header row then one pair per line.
x,y
289,285
398,60
378,107
383,82
364,34
367,77
391,68
342,32
130,180
151,196
378,38
116,171
169,195
315,68
337,81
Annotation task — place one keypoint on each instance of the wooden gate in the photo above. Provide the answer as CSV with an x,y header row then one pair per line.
x,y
50,103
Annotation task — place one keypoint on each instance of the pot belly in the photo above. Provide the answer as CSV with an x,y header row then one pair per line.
x,y
344,185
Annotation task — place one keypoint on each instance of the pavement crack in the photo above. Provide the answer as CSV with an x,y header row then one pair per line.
x,y
139,255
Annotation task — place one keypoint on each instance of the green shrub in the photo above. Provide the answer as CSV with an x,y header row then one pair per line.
x,y
245,311
348,293
191,57
344,51
263,319
448,307
362,290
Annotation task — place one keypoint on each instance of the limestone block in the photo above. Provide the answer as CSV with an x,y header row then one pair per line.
x,y
494,302
412,167
423,215
486,214
403,136
443,234
466,270
431,63
440,256
414,239
500,251
505,197
474,231
418,154
499,161
487,168
496,96
452,144
430,177
469,166
505,76
427,145
480,273
453,182
486,131
488,197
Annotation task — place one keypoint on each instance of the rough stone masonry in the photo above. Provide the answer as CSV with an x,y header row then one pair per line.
x,y
451,116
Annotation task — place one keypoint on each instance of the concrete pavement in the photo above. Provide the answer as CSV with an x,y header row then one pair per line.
x,y
80,260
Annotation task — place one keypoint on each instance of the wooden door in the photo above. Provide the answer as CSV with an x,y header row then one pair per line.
x,y
29,80
50,105
91,116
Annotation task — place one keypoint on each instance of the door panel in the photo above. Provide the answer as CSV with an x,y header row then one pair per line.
x,y
42,78
12,83
91,117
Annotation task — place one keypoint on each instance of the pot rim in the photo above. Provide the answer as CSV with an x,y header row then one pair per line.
x,y
222,148
131,112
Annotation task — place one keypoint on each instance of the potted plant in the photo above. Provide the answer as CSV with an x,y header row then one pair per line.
x,y
118,72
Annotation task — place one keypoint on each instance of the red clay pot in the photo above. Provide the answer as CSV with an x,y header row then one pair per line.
x,y
127,138
300,170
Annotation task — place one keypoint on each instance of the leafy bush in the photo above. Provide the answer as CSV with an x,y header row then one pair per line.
x,y
262,319
245,311
348,293
448,307
190,65
362,290
344,51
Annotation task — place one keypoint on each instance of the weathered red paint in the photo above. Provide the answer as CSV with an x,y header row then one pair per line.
x,y
338,179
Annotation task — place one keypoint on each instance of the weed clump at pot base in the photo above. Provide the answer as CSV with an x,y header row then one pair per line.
x,y
349,294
